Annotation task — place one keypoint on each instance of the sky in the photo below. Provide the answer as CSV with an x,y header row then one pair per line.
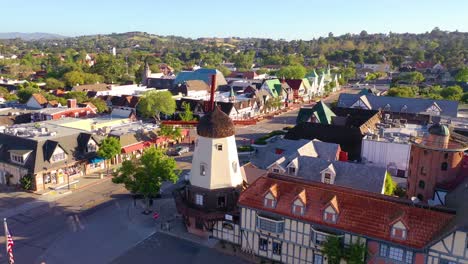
x,y
287,19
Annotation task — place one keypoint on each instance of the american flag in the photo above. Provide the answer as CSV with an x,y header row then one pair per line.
x,y
9,243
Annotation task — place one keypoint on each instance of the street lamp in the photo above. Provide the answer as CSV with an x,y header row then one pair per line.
x,y
68,174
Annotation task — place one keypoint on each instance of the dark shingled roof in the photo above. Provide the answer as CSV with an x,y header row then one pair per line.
x,y
215,124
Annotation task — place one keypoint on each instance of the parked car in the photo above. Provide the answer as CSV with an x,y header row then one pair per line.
x,y
181,150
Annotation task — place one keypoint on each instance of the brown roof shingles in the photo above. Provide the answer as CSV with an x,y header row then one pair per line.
x,y
363,213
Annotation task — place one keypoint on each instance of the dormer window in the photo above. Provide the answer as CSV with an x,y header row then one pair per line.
x,y
292,170
399,231
330,213
328,174
271,197
404,108
19,156
327,178
58,155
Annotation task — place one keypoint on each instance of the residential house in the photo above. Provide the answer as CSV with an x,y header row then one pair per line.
x,y
72,110
273,87
194,89
54,156
288,220
38,101
400,105
319,113
301,89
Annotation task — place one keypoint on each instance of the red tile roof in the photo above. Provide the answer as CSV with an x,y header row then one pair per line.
x,y
40,99
363,213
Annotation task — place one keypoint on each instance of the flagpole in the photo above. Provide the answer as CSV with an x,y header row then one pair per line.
x,y
6,238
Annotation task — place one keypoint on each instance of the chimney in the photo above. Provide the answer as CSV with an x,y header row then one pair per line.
x,y
71,103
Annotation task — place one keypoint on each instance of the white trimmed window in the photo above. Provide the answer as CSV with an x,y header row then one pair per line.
x,y
198,199
395,253
58,155
270,225
271,203
298,209
399,231
15,158
327,178
276,170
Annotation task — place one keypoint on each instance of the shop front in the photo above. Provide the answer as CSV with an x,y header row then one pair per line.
x,y
55,178
95,164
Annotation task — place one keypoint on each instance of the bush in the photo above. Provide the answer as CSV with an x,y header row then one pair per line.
x,y
26,182
245,148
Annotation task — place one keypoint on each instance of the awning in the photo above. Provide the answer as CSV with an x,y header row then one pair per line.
x,y
134,147
96,160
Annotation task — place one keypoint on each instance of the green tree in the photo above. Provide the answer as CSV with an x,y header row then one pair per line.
x,y
145,175
355,253
78,95
401,92
224,70
452,93
333,250
462,75
464,98
109,148
153,103
99,104
73,78
412,77
171,132
244,60
25,93
7,95
389,185
52,84
292,72
187,115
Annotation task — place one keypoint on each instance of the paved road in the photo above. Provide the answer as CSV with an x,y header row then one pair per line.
x,y
162,248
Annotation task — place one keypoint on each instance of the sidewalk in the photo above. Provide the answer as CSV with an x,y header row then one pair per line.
x,y
18,202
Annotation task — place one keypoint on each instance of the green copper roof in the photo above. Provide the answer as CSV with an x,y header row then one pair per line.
x,y
323,114
271,85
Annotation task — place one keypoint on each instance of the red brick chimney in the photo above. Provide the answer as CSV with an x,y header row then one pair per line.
x,y
71,103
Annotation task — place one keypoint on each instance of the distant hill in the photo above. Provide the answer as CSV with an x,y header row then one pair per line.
x,y
30,36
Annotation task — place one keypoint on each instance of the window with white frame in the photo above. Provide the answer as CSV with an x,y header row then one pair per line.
x,y
270,225
58,155
276,248
330,217
327,178
292,170
399,233
319,238
198,199
318,259
298,209
276,170
16,158
263,244
395,253
383,250
409,257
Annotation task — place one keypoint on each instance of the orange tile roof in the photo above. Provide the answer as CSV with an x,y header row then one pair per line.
x,y
40,99
360,212
302,196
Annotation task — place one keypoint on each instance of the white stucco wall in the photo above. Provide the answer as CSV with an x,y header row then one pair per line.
x,y
221,166
382,153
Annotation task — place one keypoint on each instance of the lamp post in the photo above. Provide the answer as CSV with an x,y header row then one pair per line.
x,y
68,174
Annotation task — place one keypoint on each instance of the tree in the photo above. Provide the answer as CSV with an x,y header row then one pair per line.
x,y
145,175
462,75
244,60
109,148
99,104
355,253
292,72
187,115
412,77
153,103
7,95
401,92
25,93
389,185
333,250
452,93
464,98
224,70
52,84
78,95
171,132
